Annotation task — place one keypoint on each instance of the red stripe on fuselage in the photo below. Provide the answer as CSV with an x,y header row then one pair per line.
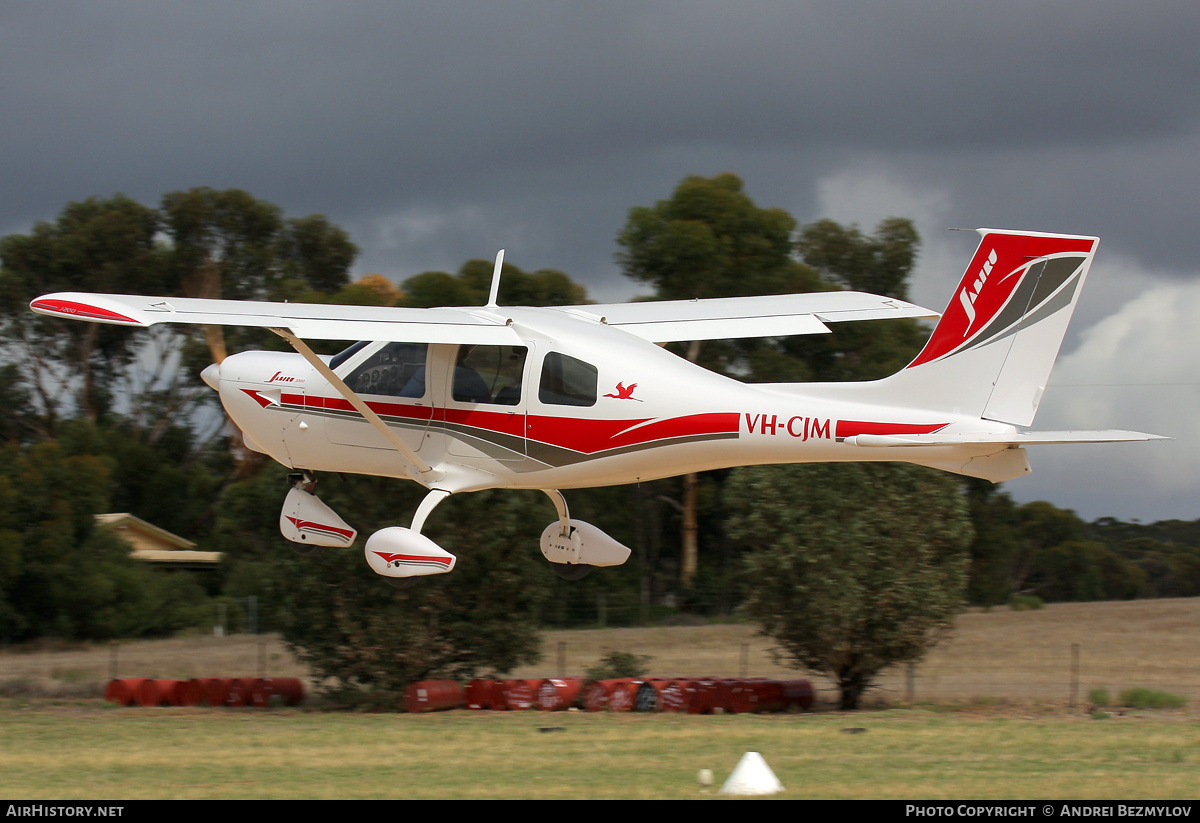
x,y
380,408
849,428
578,434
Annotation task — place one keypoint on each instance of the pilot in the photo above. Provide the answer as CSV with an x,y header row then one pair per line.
x,y
469,387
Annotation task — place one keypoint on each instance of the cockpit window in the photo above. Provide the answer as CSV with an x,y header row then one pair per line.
x,y
489,374
396,370
567,381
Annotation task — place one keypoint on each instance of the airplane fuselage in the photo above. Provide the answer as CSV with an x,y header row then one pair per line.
x,y
580,404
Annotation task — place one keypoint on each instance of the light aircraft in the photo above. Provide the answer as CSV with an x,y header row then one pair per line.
x,y
470,398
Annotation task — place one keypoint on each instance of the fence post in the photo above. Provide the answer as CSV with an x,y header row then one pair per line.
x,y
910,681
1074,675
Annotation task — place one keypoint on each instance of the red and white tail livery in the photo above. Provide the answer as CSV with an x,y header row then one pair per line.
x,y
992,352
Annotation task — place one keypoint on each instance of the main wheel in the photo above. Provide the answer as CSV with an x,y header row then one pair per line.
x,y
572,571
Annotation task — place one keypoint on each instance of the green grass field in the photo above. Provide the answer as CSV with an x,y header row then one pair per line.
x,y
991,718
83,750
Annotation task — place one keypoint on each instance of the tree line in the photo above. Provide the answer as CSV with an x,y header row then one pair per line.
x,y
837,563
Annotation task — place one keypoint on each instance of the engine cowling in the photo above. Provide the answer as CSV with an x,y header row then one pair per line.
x,y
400,552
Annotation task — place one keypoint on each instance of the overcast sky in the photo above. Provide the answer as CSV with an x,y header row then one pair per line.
x,y
436,132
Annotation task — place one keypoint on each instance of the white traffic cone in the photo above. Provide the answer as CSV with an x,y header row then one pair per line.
x,y
752,776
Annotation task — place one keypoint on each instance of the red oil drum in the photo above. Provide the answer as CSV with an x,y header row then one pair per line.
x,y
521,694
238,692
798,695
123,692
157,693
189,692
287,691
675,696
623,696
215,690
480,694
558,694
433,696
755,695
649,695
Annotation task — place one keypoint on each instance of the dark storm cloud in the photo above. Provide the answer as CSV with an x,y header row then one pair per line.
x,y
414,100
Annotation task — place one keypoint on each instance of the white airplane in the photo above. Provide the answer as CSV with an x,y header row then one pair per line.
x,y
463,399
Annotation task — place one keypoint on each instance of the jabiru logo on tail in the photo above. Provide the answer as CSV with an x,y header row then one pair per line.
x,y
968,297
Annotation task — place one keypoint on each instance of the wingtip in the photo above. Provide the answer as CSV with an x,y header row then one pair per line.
x,y
80,307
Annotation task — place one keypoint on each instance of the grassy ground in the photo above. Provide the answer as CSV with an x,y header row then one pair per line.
x,y
68,751
988,716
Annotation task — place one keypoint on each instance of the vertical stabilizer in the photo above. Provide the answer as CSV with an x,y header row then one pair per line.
x,y
993,349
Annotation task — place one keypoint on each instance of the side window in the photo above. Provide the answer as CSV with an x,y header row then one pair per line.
x,y
489,374
396,370
567,381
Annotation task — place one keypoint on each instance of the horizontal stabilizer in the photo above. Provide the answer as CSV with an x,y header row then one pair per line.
x,y
1000,439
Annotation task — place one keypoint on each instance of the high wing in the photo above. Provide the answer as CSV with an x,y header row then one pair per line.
x,y
724,318
306,320
661,321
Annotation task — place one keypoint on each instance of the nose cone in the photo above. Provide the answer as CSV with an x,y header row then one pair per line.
x,y
212,375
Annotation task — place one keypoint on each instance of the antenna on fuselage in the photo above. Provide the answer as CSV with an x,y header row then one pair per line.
x,y
495,292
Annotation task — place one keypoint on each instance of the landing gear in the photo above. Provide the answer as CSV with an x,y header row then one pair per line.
x,y
401,555
307,522
302,480
573,547
576,571
305,482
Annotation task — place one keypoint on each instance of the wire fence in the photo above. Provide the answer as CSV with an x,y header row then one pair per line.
x,y
1061,655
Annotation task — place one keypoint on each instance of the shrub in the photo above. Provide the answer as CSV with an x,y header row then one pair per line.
x,y
1143,698
619,664
1099,697
1025,603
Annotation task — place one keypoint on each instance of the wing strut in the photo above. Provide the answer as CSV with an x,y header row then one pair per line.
x,y
418,469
